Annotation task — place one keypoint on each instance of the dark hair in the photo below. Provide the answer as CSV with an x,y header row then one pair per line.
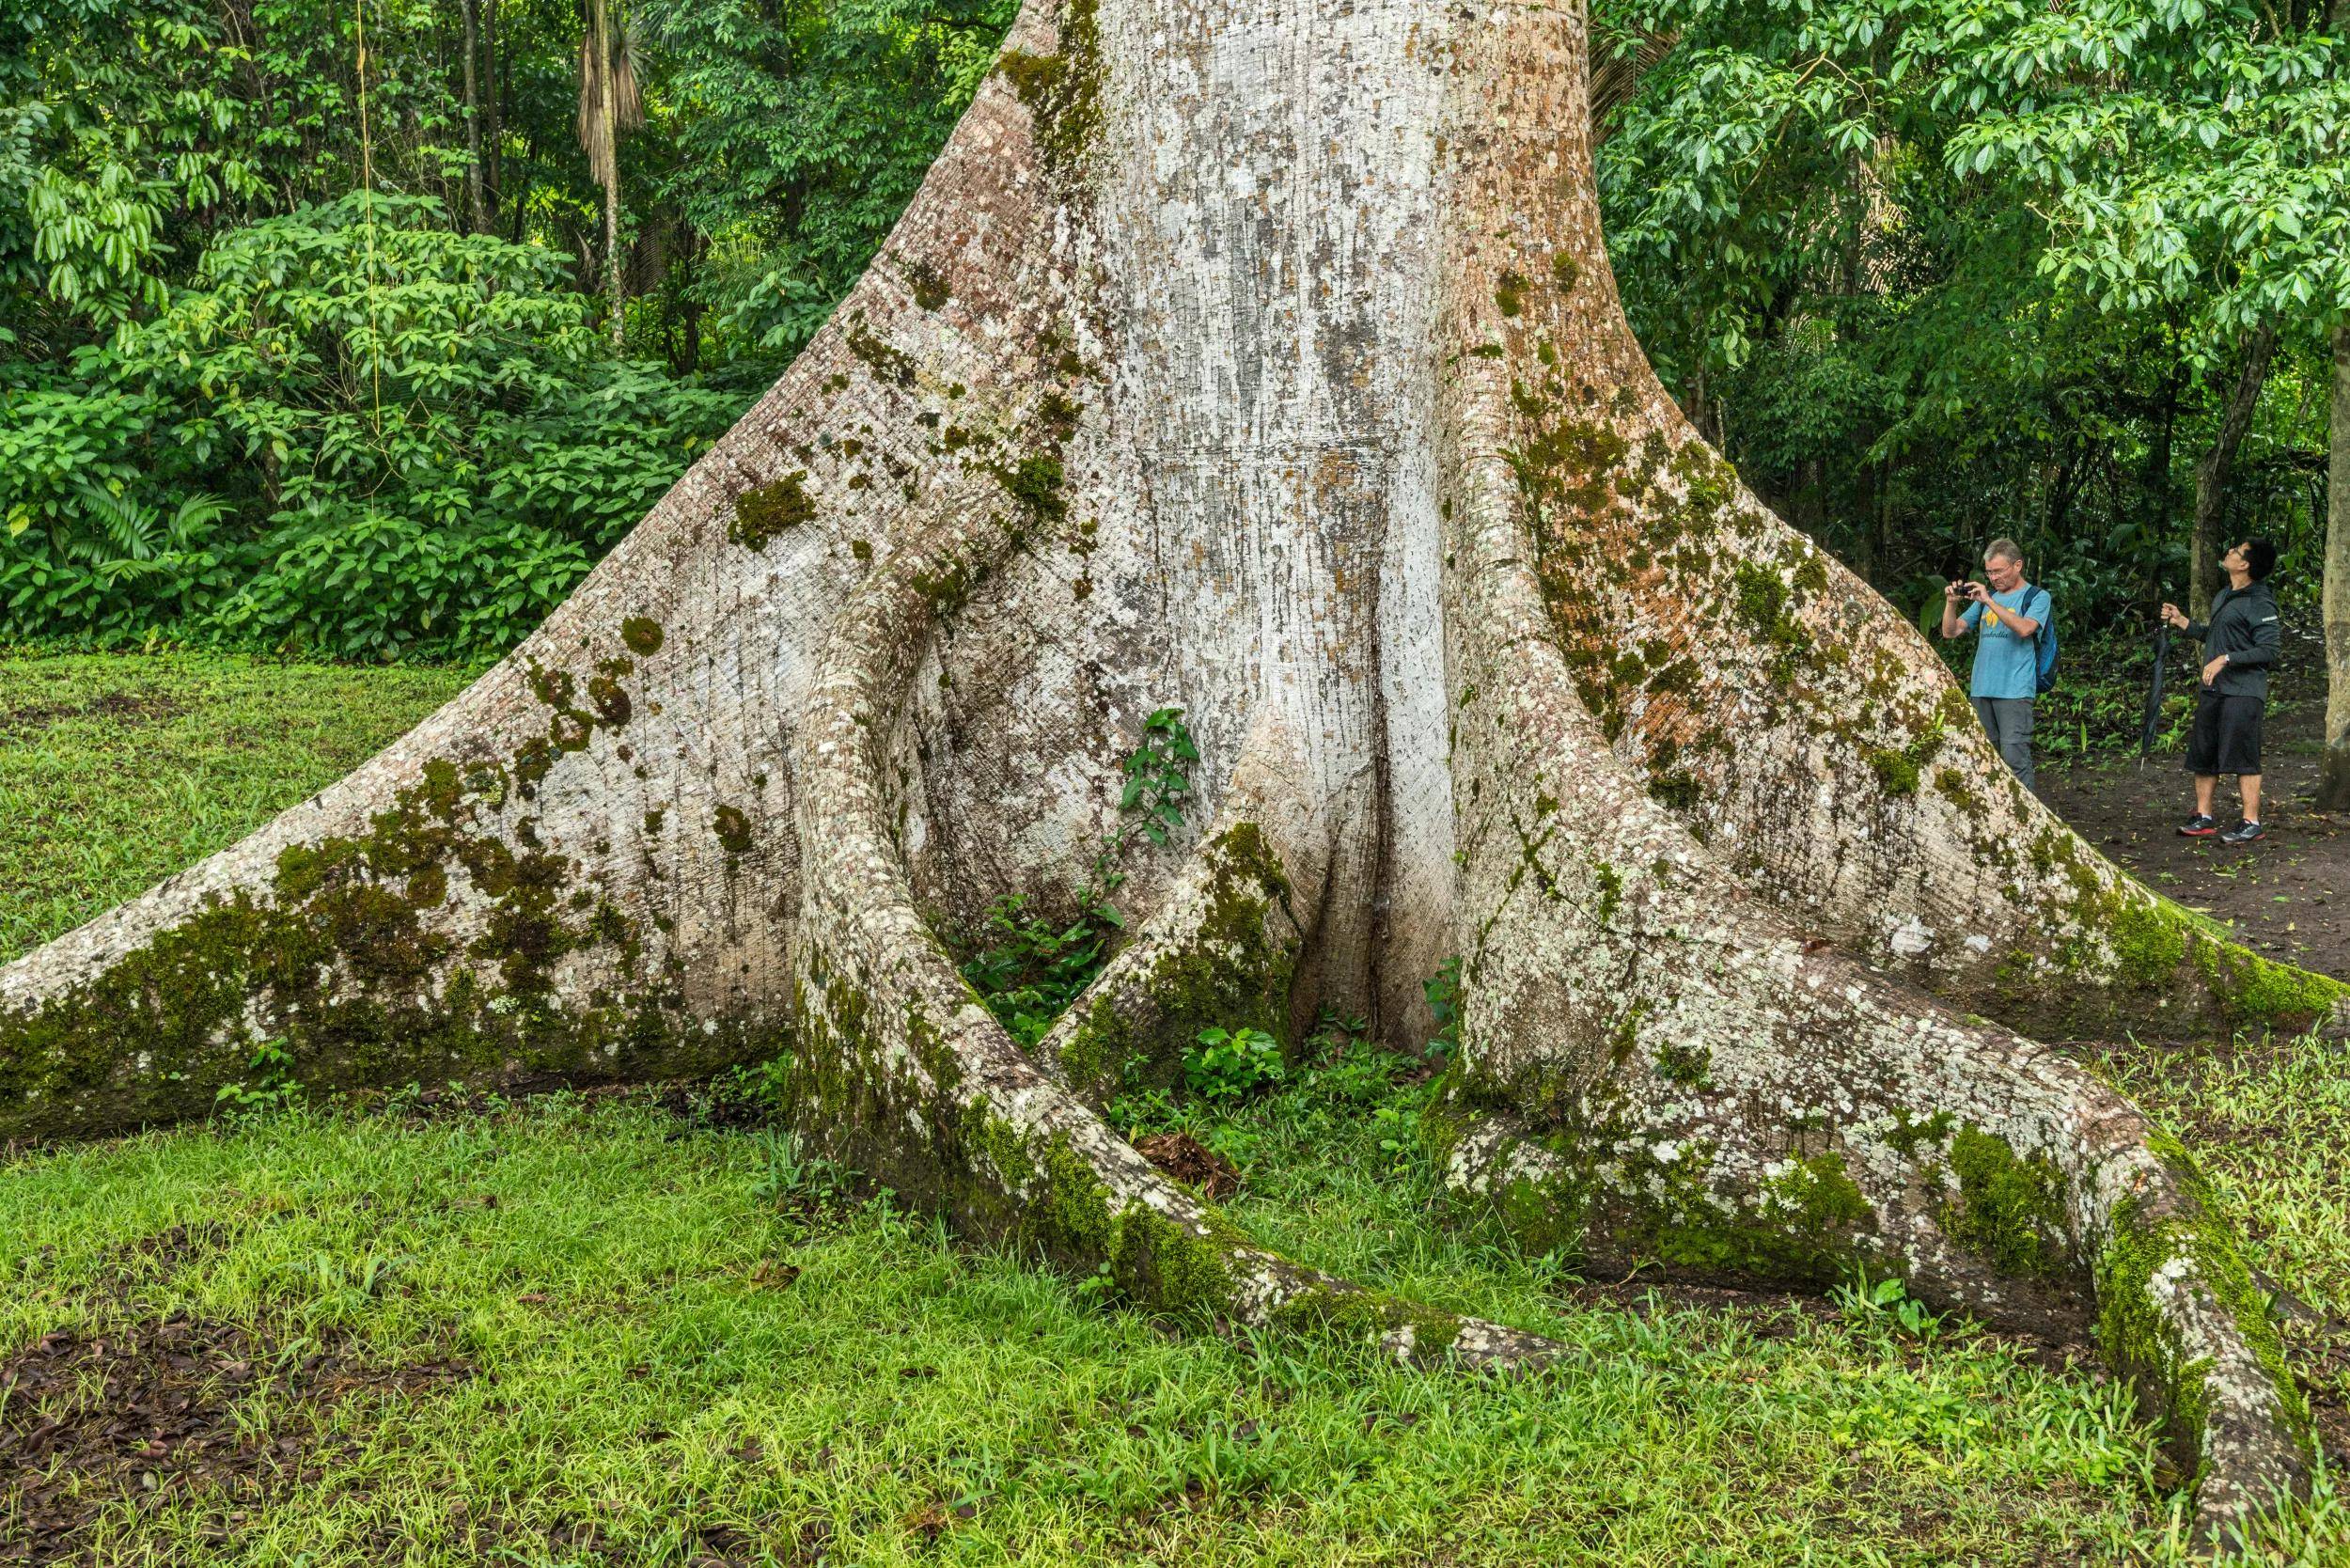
x,y
2260,558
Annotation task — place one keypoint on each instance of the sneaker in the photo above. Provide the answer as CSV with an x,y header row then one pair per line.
x,y
2243,832
2198,826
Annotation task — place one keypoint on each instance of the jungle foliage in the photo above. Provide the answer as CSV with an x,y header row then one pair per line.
x,y
285,365
298,358
1936,272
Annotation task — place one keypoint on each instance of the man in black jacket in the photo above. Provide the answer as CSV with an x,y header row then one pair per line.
x,y
2240,642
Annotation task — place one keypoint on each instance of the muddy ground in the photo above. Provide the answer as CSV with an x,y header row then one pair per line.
x,y
2288,895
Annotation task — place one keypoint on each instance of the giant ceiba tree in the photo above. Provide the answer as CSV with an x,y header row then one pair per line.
x,y
1261,357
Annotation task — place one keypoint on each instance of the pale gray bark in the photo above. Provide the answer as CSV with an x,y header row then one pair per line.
x,y
2333,783
1259,359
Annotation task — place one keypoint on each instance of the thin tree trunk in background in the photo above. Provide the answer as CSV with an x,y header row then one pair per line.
x,y
2333,779
615,282
2211,474
494,128
2157,476
480,215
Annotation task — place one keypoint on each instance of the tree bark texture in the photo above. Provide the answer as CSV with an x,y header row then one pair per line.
x,y
2333,779
477,213
1261,360
495,121
2211,473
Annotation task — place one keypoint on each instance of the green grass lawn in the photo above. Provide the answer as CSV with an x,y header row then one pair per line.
x,y
608,1329
117,771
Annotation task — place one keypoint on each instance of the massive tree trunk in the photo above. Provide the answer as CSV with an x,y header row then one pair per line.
x,y
1268,365
2333,778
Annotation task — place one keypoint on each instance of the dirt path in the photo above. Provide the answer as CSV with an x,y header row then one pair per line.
x,y
2287,895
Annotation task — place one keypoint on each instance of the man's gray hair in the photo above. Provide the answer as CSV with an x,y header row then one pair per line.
x,y
2006,549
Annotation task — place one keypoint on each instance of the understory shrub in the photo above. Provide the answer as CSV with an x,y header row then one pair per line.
x,y
356,433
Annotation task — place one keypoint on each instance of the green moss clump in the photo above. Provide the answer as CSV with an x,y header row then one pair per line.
x,y
2010,1210
1509,293
1611,883
1035,484
1909,1134
770,510
610,701
338,963
1063,91
1761,599
2257,990
1819,1199
1805,1229
1354,1316
2189,1247
928,284
1688,1065
1896,774
1565,271
886,361
1057,415
733,829
1953,784
642,634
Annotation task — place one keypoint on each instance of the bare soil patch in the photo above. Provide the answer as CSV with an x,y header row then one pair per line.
x,y
1188,1160
161,1412
122,707
2288,895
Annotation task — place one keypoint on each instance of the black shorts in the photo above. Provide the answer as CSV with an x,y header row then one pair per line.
x,y
2227,735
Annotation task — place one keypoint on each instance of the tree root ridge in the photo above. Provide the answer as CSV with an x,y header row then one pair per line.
x,y
1682,1075
899,1070
1221,951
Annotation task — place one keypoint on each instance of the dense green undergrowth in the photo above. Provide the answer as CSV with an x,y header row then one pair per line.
x,y
633,1334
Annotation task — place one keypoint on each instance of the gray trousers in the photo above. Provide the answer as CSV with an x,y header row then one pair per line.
x,y
2007,721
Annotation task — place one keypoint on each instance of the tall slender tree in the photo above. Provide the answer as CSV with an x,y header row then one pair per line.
x,y
2237,404
2333,779
477,206
609,104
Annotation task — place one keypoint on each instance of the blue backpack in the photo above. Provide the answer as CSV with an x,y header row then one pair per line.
x,y
2047,639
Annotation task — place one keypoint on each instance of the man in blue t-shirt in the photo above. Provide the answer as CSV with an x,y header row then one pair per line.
x,y
2009,614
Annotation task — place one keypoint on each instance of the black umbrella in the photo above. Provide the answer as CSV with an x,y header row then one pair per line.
x,y
2154,693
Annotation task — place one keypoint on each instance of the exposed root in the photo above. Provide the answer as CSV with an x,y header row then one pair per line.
x,y
1685,1075
899,1070
1221,949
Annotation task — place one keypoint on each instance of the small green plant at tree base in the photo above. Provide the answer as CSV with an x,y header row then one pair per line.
x,y
1155,780
270,1087
796,1179
1887,1303
1233,1064
1399,1136
1443,991
1035,967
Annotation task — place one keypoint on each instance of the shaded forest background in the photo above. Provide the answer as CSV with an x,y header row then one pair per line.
x,y
360,328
